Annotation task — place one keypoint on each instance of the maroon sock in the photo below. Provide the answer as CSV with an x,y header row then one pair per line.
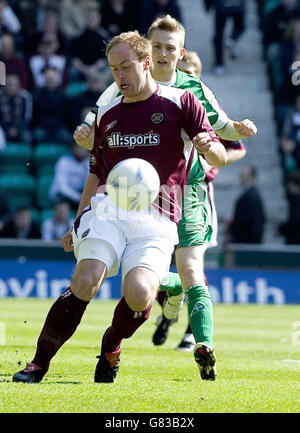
x,y
125,322
161,296
61,323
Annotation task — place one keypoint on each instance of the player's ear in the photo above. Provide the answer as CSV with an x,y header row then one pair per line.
x,y
182,53
147,63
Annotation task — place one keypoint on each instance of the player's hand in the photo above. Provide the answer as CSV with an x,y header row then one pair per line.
x,y
83,135
67,241
246,128
202,142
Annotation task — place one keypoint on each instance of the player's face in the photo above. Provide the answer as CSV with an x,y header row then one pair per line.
x,y
188,68
166,51
128,71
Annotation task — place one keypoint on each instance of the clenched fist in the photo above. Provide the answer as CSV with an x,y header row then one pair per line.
x,y
246,128
67,241
84,135
202,142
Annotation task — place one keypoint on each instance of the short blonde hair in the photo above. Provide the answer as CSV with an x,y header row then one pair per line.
x,y
192,58
168,24
140,45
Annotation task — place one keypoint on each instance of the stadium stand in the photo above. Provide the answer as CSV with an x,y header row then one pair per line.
x,y
252,86
244,91
19,189
15,158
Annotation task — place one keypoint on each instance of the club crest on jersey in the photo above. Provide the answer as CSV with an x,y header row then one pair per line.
x,y
133,140
110,125
157,118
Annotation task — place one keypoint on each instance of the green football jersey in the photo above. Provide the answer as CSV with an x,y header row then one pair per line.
x,y
215,114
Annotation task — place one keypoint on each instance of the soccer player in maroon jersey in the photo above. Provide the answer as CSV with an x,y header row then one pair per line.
x,y
167,38
143,241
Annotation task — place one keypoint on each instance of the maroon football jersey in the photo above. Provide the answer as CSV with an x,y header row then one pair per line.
x,y
158,130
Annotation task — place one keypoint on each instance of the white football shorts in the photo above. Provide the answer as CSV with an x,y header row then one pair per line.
x,y
115,236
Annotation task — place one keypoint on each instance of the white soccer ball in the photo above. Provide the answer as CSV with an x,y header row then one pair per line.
x,y
133,184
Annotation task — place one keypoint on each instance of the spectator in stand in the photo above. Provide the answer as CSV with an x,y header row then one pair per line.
x,y
291,125
88,49
71,172
289,53
46,58
224,10
290,155
49,111
50,28
13,63
54,228
248,221
4,209
42,7
15,110
21,226
97,83
32,14
8,19
120,15
149,10
275,25
260,11
290,139
2,140
291,228
71,17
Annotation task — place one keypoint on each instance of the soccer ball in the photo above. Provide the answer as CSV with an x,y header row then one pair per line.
x,y
133,184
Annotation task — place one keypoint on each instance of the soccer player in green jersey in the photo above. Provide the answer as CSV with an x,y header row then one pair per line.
x,y
191,64
167,36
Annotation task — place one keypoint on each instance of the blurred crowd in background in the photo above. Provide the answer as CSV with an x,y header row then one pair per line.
x,y
54,52
280,25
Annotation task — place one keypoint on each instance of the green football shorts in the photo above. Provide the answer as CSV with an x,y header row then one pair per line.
x,y
194,227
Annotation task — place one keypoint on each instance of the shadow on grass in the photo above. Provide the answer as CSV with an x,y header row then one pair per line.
x,y
44,382
182,380
62,383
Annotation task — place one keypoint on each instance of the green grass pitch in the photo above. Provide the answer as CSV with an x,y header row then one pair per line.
x,y
258,363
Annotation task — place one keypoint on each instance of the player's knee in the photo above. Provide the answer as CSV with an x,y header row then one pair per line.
x,y
139,288
87,278
85,285
138,297
190,275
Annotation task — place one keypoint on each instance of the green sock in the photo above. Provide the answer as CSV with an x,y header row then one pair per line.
x,y
173,285
200,311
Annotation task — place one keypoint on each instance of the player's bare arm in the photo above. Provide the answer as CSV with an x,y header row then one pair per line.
x,y
206,167
237,130
213,151
89,191
84,135
234,155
